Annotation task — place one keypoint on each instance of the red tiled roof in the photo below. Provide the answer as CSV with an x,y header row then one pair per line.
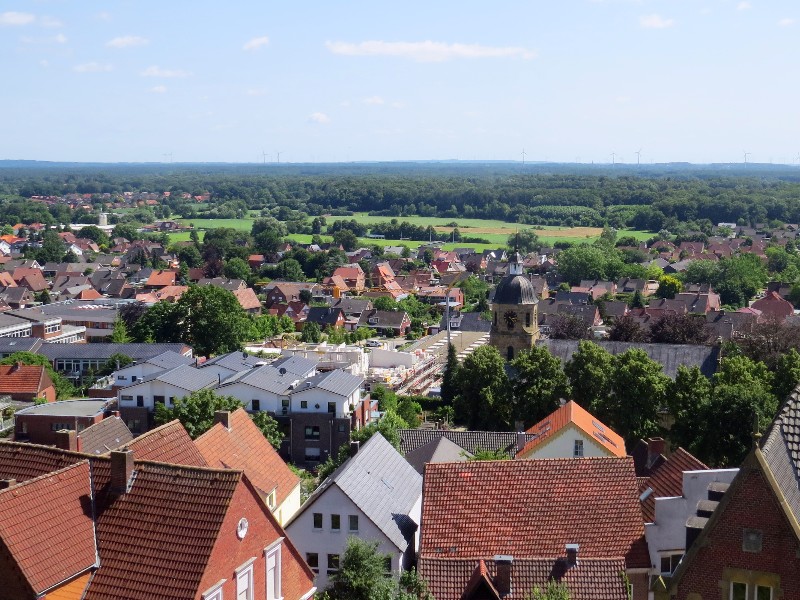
x,y
573,413
667,480
89,294
591,579
7,280
161,278
169,443
46,527
137,532
30,278
244,447
24,379
533,508
26,461
247,298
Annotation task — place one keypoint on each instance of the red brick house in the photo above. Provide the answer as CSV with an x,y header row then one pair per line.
x,y
353,277
496,529
25,383
154,531
749,548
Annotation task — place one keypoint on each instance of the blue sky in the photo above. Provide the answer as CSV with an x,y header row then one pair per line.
x,y
340,80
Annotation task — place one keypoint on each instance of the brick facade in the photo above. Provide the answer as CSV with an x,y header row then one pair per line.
x,y
719,558
333,433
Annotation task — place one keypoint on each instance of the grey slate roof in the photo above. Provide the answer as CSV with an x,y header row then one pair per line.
x,y
137,351
266,378
670,356
109,434
235,361
337,382
185,377
9,345
382,484
436,451
170,359
781,448
298,365
471,441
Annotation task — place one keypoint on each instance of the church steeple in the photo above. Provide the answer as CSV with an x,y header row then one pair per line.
x,y
515,264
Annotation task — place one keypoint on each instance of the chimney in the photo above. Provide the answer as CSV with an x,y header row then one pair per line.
x,y
16,366
502,581
66,439
224,417
7,483
655,447
521,437
572,555
354,446
121,471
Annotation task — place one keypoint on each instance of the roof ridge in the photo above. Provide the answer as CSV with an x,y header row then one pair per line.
x,y
173,467
44,476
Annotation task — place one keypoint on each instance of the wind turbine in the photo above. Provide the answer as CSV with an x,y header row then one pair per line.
x,y
746,154
638,153
279,157
523,157
613,159
264,156
798,159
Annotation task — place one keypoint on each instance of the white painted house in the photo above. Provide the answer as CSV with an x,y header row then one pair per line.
x,y
571,432
165,387
226,365
141,369
375,495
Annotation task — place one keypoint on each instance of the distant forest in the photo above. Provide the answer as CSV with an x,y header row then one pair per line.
x,y
651,198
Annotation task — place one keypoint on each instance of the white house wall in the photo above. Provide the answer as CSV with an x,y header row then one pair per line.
x,y
668,532
324,541
269,402
149,389
562,445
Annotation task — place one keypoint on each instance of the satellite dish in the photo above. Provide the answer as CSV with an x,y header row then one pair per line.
x,y
282,371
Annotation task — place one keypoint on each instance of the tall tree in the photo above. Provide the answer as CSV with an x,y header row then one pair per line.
x,y
787,374
680,329
450,376
538,385
119,335
236,268
590,372
482,400
214,321
627,329
688,399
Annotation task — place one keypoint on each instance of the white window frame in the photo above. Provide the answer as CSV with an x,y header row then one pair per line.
x,y
245,573
746,588
669,555
274,550
214,592
578,444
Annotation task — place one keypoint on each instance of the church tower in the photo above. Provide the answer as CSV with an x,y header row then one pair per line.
x,y
515,325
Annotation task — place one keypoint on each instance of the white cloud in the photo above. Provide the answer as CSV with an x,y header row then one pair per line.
x,y
428,51
743,6
126,41
320,118
158,89
50,22
60,39
374,100
256,42
786,22
16,18
156,71
256,92
655,22
398,105
93,67
103,16
44,63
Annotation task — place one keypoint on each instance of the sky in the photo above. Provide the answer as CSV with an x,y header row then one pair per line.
x,y
339,81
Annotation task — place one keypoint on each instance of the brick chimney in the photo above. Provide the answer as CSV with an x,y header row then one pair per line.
x,y
224,417
655,447
67,439
521,439
572,555
7,483
502,580
121,471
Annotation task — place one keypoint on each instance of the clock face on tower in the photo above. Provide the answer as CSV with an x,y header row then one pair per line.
x,y
510,318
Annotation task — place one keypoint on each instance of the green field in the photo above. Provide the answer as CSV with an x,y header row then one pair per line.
x,y
496,232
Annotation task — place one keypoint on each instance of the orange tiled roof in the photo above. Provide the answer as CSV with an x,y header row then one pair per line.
x,y
169,443
247,298
27,379
572,412
243,447
161,278
7,280
47,529
533,508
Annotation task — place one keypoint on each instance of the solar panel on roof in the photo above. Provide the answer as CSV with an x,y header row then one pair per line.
x,y
599,426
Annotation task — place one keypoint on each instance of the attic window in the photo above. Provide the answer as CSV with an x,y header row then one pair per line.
x,y
752,540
